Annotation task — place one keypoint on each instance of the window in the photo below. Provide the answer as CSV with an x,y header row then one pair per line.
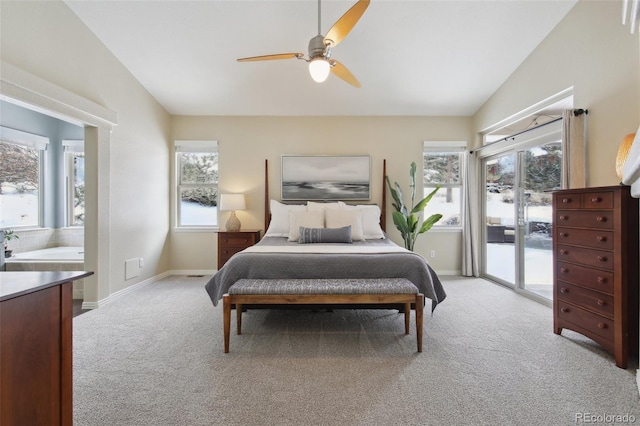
x,y
444,165
21,158
74,177
197,184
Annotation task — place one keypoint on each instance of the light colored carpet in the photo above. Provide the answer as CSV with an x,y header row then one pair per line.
x,y
155,357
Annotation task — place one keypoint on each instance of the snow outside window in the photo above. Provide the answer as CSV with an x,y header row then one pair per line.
x,y
197,184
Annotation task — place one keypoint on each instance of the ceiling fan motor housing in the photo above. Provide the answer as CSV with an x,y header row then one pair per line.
x,y
317,47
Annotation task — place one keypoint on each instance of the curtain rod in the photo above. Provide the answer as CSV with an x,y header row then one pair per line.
x,y
576,112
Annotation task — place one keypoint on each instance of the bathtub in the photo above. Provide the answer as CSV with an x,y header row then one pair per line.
x,y
54,254
51,259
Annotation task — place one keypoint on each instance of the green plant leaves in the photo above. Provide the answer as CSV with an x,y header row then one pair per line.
x,y
407,221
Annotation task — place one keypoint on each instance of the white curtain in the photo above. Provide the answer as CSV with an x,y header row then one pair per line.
x,y
470,237
574,158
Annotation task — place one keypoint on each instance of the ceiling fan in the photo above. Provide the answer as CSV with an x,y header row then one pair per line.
x,y
320,61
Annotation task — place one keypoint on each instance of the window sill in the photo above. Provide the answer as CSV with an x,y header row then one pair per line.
x,y
446,229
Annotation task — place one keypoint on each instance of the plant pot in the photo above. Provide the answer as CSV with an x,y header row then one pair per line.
x,y
7,253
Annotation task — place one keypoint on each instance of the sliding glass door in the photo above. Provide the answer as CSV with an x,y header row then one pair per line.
x,y
500,194
541,173
518,180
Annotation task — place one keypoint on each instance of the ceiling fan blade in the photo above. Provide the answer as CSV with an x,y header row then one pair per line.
x,y
343,26
272,57
341,71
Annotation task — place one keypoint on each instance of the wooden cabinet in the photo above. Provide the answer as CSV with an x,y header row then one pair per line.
x,y
36,347
231,242
595,250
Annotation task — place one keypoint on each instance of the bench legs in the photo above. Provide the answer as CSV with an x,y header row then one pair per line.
x,y
419,319
226,310
239,317
227,303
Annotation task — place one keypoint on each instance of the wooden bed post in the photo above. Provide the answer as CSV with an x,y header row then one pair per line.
x,y
266,195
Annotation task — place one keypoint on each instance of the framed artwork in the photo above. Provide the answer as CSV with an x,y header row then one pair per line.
x,y
326,177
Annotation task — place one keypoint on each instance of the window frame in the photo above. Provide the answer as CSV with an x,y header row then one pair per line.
x,y
40,143
200,146
447,147
71,147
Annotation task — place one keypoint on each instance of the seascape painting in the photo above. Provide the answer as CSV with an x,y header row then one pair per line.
x,y
326,177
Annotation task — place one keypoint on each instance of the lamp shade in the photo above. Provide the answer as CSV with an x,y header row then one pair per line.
x,y
623,153
232,202
319,69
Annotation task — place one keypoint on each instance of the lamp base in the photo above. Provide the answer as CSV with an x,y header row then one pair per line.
x,y
233,223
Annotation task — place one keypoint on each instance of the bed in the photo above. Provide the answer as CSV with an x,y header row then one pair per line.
x,y
369,254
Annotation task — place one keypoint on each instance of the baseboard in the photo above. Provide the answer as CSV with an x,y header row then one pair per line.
x,y
119,293
203,272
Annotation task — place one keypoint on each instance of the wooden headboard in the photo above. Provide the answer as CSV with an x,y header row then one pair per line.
x,y
267,199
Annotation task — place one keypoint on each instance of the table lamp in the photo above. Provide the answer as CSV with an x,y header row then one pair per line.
x,y
232,202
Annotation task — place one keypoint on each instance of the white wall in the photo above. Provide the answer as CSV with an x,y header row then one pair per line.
x,y
47,40
245,142
591,51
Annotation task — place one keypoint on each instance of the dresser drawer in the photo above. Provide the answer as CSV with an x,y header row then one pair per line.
x,y
585,218
597,200
585,256
599,239
232,242
242,241
595,323
227,252
568,201
584,276
592,300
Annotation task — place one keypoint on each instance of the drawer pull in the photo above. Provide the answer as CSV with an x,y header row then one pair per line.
x,y
566,200
602,325
564,290
563,251
563,217
596,200
602,258
602,280
564,270
564,234
565,310
601,218
601,238
601,302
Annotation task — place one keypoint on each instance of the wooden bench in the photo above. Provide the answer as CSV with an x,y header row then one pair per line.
x,y
323,291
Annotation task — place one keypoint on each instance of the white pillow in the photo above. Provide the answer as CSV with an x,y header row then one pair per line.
x,y
308,219
371,222
311,205
345,217
279,225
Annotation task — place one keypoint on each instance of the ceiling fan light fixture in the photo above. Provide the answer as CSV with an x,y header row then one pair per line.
x,y
319,69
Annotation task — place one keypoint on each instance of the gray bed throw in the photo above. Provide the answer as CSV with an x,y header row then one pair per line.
x,y
266,265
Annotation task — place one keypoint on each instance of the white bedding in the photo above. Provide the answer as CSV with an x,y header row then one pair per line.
x,y
326,248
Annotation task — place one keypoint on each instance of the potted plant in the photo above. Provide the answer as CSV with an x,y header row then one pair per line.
x,y
8,235
408,221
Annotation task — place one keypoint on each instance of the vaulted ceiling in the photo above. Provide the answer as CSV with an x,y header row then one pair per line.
x,y
419,57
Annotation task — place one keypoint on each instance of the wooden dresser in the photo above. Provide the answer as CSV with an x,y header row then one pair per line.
x,y
595,250
36,374
231,242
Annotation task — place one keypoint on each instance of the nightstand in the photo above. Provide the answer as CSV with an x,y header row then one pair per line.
x,y
231,242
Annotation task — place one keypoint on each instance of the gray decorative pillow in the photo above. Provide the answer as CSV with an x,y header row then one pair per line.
x,y
325,235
